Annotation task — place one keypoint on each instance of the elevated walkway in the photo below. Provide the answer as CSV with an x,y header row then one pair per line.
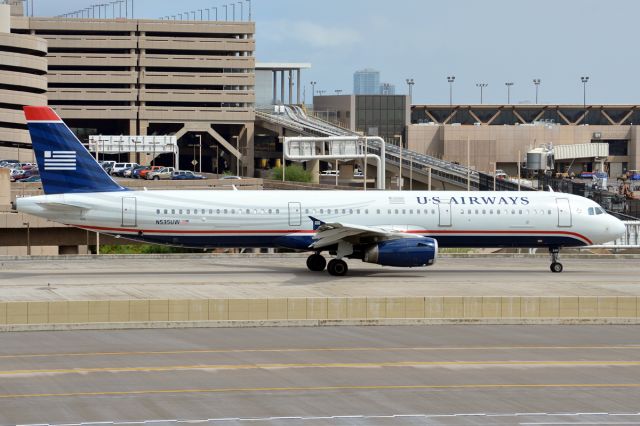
x,y
418,166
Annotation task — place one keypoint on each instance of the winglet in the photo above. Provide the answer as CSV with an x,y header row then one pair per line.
x,y
317,223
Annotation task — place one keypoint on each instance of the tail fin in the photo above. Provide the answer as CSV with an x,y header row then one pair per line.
x,y
65,164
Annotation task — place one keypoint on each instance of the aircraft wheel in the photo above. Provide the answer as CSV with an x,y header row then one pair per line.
x,y
337,267
556,267
316,262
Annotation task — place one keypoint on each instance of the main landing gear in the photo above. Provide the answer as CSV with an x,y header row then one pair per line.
x,y
337,267
316,262
555,265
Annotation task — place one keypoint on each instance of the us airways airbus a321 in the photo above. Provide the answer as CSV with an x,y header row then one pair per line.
x,y
403,229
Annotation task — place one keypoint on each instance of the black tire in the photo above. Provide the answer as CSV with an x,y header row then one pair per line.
x,y
316,263
337,267
156,178
556,267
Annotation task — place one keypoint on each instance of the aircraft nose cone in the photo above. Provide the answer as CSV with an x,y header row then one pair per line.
x,y
619,228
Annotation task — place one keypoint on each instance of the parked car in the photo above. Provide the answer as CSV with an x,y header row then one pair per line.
x,y
501,175
230,177
143,173
163,173
8,163
185,175
129,172
586,175
633,174
107,165
17,174
119,168
34,178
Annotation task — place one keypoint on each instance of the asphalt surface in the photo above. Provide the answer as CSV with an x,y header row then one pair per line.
x,y
442,375
287,276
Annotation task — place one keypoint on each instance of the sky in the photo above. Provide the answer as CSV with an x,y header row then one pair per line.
x,y
477,41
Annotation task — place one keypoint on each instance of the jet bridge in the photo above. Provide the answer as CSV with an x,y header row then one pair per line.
x,y
422,167
334,148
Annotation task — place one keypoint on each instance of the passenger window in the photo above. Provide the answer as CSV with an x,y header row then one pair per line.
x,y
225,211
157,211
357,211
233,211
321,211
350,211
210,211
278,211
173,211
377,211
180,211
462,211
248,211
498,211
484,211
389,211
477,211
366,211
165,211
410,211
519,211
549,211
217,211
343,211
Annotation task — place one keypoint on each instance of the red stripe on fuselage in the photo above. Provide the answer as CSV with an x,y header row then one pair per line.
x,y
40,113
308,231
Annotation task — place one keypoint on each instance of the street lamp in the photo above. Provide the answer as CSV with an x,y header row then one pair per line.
x,y
508,84
584,80
537,82
451,79
313,88
410,83
338,91
481,86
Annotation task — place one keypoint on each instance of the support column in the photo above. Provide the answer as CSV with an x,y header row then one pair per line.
x,y
275,86
298,88
313,167
282,87
290,87
248,158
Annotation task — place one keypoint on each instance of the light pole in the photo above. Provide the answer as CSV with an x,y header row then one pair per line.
x,y
249,1
584,80
509,84
410,83
313,88
481,86
338,91
537,82
451,79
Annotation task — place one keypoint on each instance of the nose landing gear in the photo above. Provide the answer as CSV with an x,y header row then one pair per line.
x,y
555,265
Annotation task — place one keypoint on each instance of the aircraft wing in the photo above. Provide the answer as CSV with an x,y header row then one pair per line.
x,y
328,234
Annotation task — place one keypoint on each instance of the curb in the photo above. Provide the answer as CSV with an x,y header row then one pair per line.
x,y
317,323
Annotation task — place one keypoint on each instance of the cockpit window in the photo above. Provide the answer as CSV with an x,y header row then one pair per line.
x,y
591,212
599,210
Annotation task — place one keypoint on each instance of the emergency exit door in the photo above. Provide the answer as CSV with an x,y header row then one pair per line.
x,y
564,212
129,211
444,212
295,214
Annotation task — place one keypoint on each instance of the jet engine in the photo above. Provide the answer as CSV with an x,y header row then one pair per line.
x,y
404,252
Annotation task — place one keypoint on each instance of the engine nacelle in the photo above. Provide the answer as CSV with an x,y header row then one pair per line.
x,y
404,252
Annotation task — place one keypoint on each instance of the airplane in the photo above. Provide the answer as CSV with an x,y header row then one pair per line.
x,y
389,228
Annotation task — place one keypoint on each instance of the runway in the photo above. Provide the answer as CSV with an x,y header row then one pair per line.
x,y
233,276
447,375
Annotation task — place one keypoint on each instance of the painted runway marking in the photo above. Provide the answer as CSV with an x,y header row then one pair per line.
x,y
265,366
287,350
330,388
363,417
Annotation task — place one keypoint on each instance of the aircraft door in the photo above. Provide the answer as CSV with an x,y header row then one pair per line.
x,y
564,212
444,213
295,214
129,211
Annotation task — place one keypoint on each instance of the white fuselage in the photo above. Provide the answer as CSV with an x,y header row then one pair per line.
x,y
282,218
